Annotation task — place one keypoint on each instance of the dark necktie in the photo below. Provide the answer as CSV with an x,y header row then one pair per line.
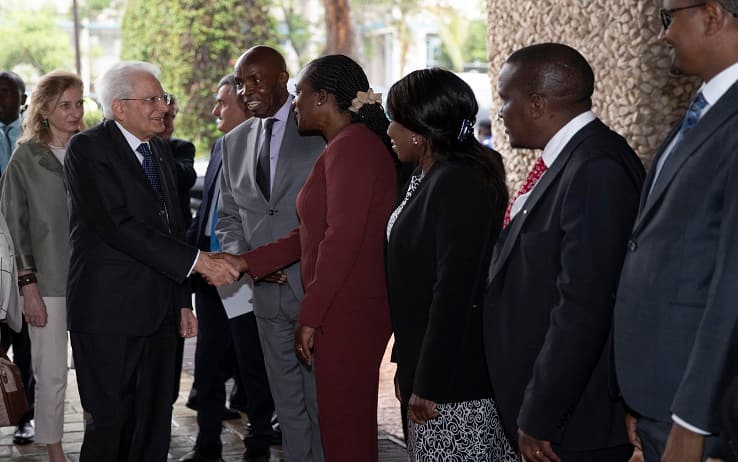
x,y
690,120
8,146
263,166
214,242
693,114
152,173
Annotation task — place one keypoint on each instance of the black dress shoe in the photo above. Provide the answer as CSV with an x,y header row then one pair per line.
x,y
24,434
195,456
256,454
192,404
230,414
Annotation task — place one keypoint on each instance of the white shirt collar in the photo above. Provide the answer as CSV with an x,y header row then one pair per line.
x,y
282,114
132,139
564,135
718,85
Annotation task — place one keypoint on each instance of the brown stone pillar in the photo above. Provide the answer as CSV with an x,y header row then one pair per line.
x,y
634,93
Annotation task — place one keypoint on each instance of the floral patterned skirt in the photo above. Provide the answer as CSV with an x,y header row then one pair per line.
x,y
469,431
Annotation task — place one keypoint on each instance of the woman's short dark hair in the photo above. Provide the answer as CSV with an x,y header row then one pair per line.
x,y
438,105
344,78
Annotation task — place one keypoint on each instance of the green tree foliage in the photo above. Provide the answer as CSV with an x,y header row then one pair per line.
x,y
195,43
35,40
296,29
463,40
475,46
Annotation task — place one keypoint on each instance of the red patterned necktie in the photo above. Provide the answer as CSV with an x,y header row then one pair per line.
x,y
538,169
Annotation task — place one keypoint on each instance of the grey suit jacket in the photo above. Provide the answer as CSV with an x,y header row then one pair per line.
x,y
246,219
676,312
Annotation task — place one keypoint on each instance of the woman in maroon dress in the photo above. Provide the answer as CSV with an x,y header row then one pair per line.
x,y
343,208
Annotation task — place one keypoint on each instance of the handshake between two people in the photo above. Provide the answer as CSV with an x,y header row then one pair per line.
x,y
221,269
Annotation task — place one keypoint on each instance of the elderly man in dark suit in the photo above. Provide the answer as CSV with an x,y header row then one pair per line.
x,y
127,291
265,163
676,319
554,272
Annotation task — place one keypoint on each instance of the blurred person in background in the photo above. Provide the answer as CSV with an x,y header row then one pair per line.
x,y
184,154
12,103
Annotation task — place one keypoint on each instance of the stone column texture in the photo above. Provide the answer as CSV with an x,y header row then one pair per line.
x,y
635,94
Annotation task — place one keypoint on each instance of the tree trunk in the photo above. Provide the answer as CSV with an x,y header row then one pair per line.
x,y
339,29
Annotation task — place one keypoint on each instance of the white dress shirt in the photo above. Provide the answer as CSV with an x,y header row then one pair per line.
x,y
552,150
278,127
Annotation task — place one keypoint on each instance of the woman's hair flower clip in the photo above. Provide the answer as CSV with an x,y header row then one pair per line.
x,y
364,97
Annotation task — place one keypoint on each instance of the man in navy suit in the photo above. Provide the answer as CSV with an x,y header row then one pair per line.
x,y
218,334
128,295
676,318
554,271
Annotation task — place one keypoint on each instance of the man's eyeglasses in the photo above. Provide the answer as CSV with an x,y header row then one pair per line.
x,y
667,14
166,97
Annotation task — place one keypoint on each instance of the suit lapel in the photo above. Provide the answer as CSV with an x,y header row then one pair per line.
x,y
168,185
128,158
286,150
211,175
725,108
251,152
539,191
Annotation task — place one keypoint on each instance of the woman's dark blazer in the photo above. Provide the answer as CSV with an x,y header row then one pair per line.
x,y
437,259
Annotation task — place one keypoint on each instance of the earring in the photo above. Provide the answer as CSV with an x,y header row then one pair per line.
x,y
45,123
414,139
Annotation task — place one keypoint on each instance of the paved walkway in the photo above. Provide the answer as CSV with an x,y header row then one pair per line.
x,y
184,424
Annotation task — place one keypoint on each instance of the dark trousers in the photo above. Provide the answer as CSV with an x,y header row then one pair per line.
x,y
125,385
654,433
216,336
614,454
21,344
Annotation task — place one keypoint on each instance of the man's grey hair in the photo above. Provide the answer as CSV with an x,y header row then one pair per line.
x,y
230,80
730,5
119,81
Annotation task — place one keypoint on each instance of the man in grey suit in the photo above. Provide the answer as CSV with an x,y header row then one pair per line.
x,y
676,317
265,163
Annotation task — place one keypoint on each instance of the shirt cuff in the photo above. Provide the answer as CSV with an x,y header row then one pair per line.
x,y
194,263
689,427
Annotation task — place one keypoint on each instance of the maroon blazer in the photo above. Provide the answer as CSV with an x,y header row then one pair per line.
x,y
343,209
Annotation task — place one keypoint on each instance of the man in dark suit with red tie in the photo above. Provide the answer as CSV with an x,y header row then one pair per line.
x,y
555,268
127,292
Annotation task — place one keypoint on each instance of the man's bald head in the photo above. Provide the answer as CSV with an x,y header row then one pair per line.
x,y
265,55
261,80
556,71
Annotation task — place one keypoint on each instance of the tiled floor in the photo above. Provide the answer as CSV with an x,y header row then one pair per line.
x,y
184,424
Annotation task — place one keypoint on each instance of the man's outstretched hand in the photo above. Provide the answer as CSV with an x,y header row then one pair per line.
x,y
217,270
237,261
